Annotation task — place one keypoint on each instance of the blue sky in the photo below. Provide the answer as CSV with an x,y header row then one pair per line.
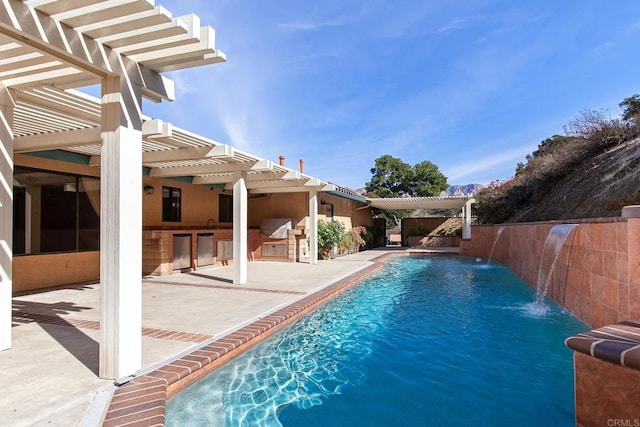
x,y
472,86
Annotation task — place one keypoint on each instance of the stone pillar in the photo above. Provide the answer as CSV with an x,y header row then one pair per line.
x,y
292,250
240,233
313,227
120,230
6,214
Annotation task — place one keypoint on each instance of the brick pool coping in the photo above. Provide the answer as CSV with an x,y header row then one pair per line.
x,y
617,343
142,401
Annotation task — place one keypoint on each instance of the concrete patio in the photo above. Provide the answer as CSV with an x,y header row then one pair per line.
x,y
50,373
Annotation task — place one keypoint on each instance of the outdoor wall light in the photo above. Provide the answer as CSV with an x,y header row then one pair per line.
x,y
148,189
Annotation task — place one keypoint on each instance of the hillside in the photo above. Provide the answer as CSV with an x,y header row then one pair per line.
x,y
597,187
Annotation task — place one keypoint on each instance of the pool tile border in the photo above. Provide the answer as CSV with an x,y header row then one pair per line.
x,y
617,343
142,401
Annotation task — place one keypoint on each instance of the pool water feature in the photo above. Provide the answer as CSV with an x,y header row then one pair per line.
x,y
495,242
423,342
550,253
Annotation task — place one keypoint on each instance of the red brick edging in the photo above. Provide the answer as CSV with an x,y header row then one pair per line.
x,y
164,334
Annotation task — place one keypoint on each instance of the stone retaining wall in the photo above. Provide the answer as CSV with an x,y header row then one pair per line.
x,y
597,275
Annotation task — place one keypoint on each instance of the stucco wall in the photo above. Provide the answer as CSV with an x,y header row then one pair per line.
x,y
363,216
42,271
597,275
344,210
278,205
199,204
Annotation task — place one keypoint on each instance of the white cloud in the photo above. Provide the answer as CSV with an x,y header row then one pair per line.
x,y
310,26
456,24
235,127
477,165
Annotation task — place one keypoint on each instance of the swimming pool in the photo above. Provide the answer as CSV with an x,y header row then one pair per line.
x,y
426,341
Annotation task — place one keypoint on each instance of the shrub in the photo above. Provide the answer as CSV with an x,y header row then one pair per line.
x,y
603,131
353,240
373,235
330,235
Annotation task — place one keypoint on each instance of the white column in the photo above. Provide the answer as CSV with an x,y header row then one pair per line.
x,y
466,222
33,218
120,235
6,214
27,221
313,227
240,230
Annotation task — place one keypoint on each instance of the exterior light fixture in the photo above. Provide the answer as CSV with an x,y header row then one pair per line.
x,y
148,189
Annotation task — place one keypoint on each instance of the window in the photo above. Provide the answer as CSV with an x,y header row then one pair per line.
x,y
171,204
55,212
225,203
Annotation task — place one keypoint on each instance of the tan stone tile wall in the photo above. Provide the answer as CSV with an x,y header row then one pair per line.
x,y
597,275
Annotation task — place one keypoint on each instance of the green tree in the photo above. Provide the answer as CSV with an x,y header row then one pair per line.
x,y
428,180
394,178
391,177
630,107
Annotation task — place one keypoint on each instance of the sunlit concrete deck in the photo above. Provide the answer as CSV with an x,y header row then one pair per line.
x,y
50,373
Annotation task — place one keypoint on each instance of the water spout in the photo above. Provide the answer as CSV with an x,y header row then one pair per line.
x,y
550,253
495,242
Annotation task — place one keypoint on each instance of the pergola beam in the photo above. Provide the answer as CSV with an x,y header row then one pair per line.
x,y
57,140
287,188
261,166
73,103
275,182
179,32
221,151
121,24
82,54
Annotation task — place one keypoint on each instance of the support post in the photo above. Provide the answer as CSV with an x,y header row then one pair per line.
x,y
120,229
466,222
240,230
33,210
6,214
313,227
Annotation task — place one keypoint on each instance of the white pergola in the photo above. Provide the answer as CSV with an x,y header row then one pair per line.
x,y
50,47
452,202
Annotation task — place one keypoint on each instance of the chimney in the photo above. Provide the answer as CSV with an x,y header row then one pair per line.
x,y
301,165
281,160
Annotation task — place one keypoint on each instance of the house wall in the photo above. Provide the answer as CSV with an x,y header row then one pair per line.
x,y
278,205
200,213
362,216
597,275
199,204
40,271
344,210
43,271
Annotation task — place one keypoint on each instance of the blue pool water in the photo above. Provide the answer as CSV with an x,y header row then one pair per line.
x,y
444,340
